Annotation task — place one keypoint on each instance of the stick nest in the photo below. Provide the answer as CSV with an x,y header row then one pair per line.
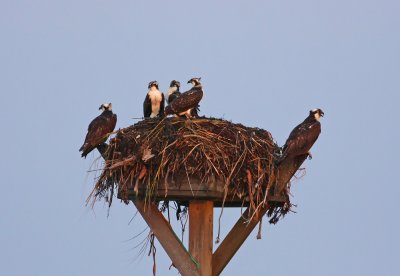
x,y
142,155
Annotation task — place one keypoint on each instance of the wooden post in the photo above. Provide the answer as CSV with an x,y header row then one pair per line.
x,y
201,234
168,239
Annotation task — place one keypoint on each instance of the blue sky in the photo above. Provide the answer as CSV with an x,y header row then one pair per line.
x,y
263,63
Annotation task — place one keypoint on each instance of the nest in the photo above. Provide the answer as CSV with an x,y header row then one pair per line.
x,y
141,156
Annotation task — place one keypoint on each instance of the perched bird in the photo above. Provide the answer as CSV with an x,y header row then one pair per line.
x,y
99,129
173,91
153,104
187,103
303,136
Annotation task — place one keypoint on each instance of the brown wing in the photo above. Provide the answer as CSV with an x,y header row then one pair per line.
x,y
301,139
172,97
147,106
162,103
187,100
98,132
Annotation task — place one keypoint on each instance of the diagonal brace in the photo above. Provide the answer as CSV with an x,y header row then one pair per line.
x,y
166,236
242,229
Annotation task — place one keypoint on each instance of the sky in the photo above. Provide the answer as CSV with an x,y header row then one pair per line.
x,y
263,64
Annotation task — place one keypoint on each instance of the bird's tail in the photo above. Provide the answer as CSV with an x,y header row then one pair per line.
x,y
84,150
83,146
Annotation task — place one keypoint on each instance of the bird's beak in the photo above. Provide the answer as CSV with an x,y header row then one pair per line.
x,y
189,81
322,114
101,106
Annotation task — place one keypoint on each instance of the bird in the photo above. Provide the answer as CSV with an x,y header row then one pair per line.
x,y
173,91
187,103
303,137
153,105
99,129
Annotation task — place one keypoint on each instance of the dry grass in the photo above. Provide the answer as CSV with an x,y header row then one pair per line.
x,y
206,148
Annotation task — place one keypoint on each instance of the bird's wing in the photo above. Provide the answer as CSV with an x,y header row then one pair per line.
x,y
187,100
98,130
302,138
161,112
97,133
172,97
147,106
113,123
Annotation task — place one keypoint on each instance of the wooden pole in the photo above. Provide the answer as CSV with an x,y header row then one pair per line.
x,y
201,234
168,239
242,229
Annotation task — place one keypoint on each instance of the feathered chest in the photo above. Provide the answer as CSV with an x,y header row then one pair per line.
x,y
155,96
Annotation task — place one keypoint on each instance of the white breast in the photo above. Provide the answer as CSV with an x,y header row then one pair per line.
x,y
155,97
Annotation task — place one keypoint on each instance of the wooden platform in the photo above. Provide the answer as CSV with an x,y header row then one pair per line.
x,y
185,190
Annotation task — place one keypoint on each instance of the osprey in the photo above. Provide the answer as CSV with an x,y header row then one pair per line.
x,y
173,91
303,136
153,104
99,129
188,102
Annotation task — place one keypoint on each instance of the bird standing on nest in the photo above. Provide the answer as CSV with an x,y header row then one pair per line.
x,y
188,102
303,136
153,104
99,129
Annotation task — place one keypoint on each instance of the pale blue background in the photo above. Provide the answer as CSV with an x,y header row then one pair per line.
x,y
263,63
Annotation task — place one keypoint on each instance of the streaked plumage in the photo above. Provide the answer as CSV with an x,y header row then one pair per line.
x,y
188,101
99,129
303,136
153,104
